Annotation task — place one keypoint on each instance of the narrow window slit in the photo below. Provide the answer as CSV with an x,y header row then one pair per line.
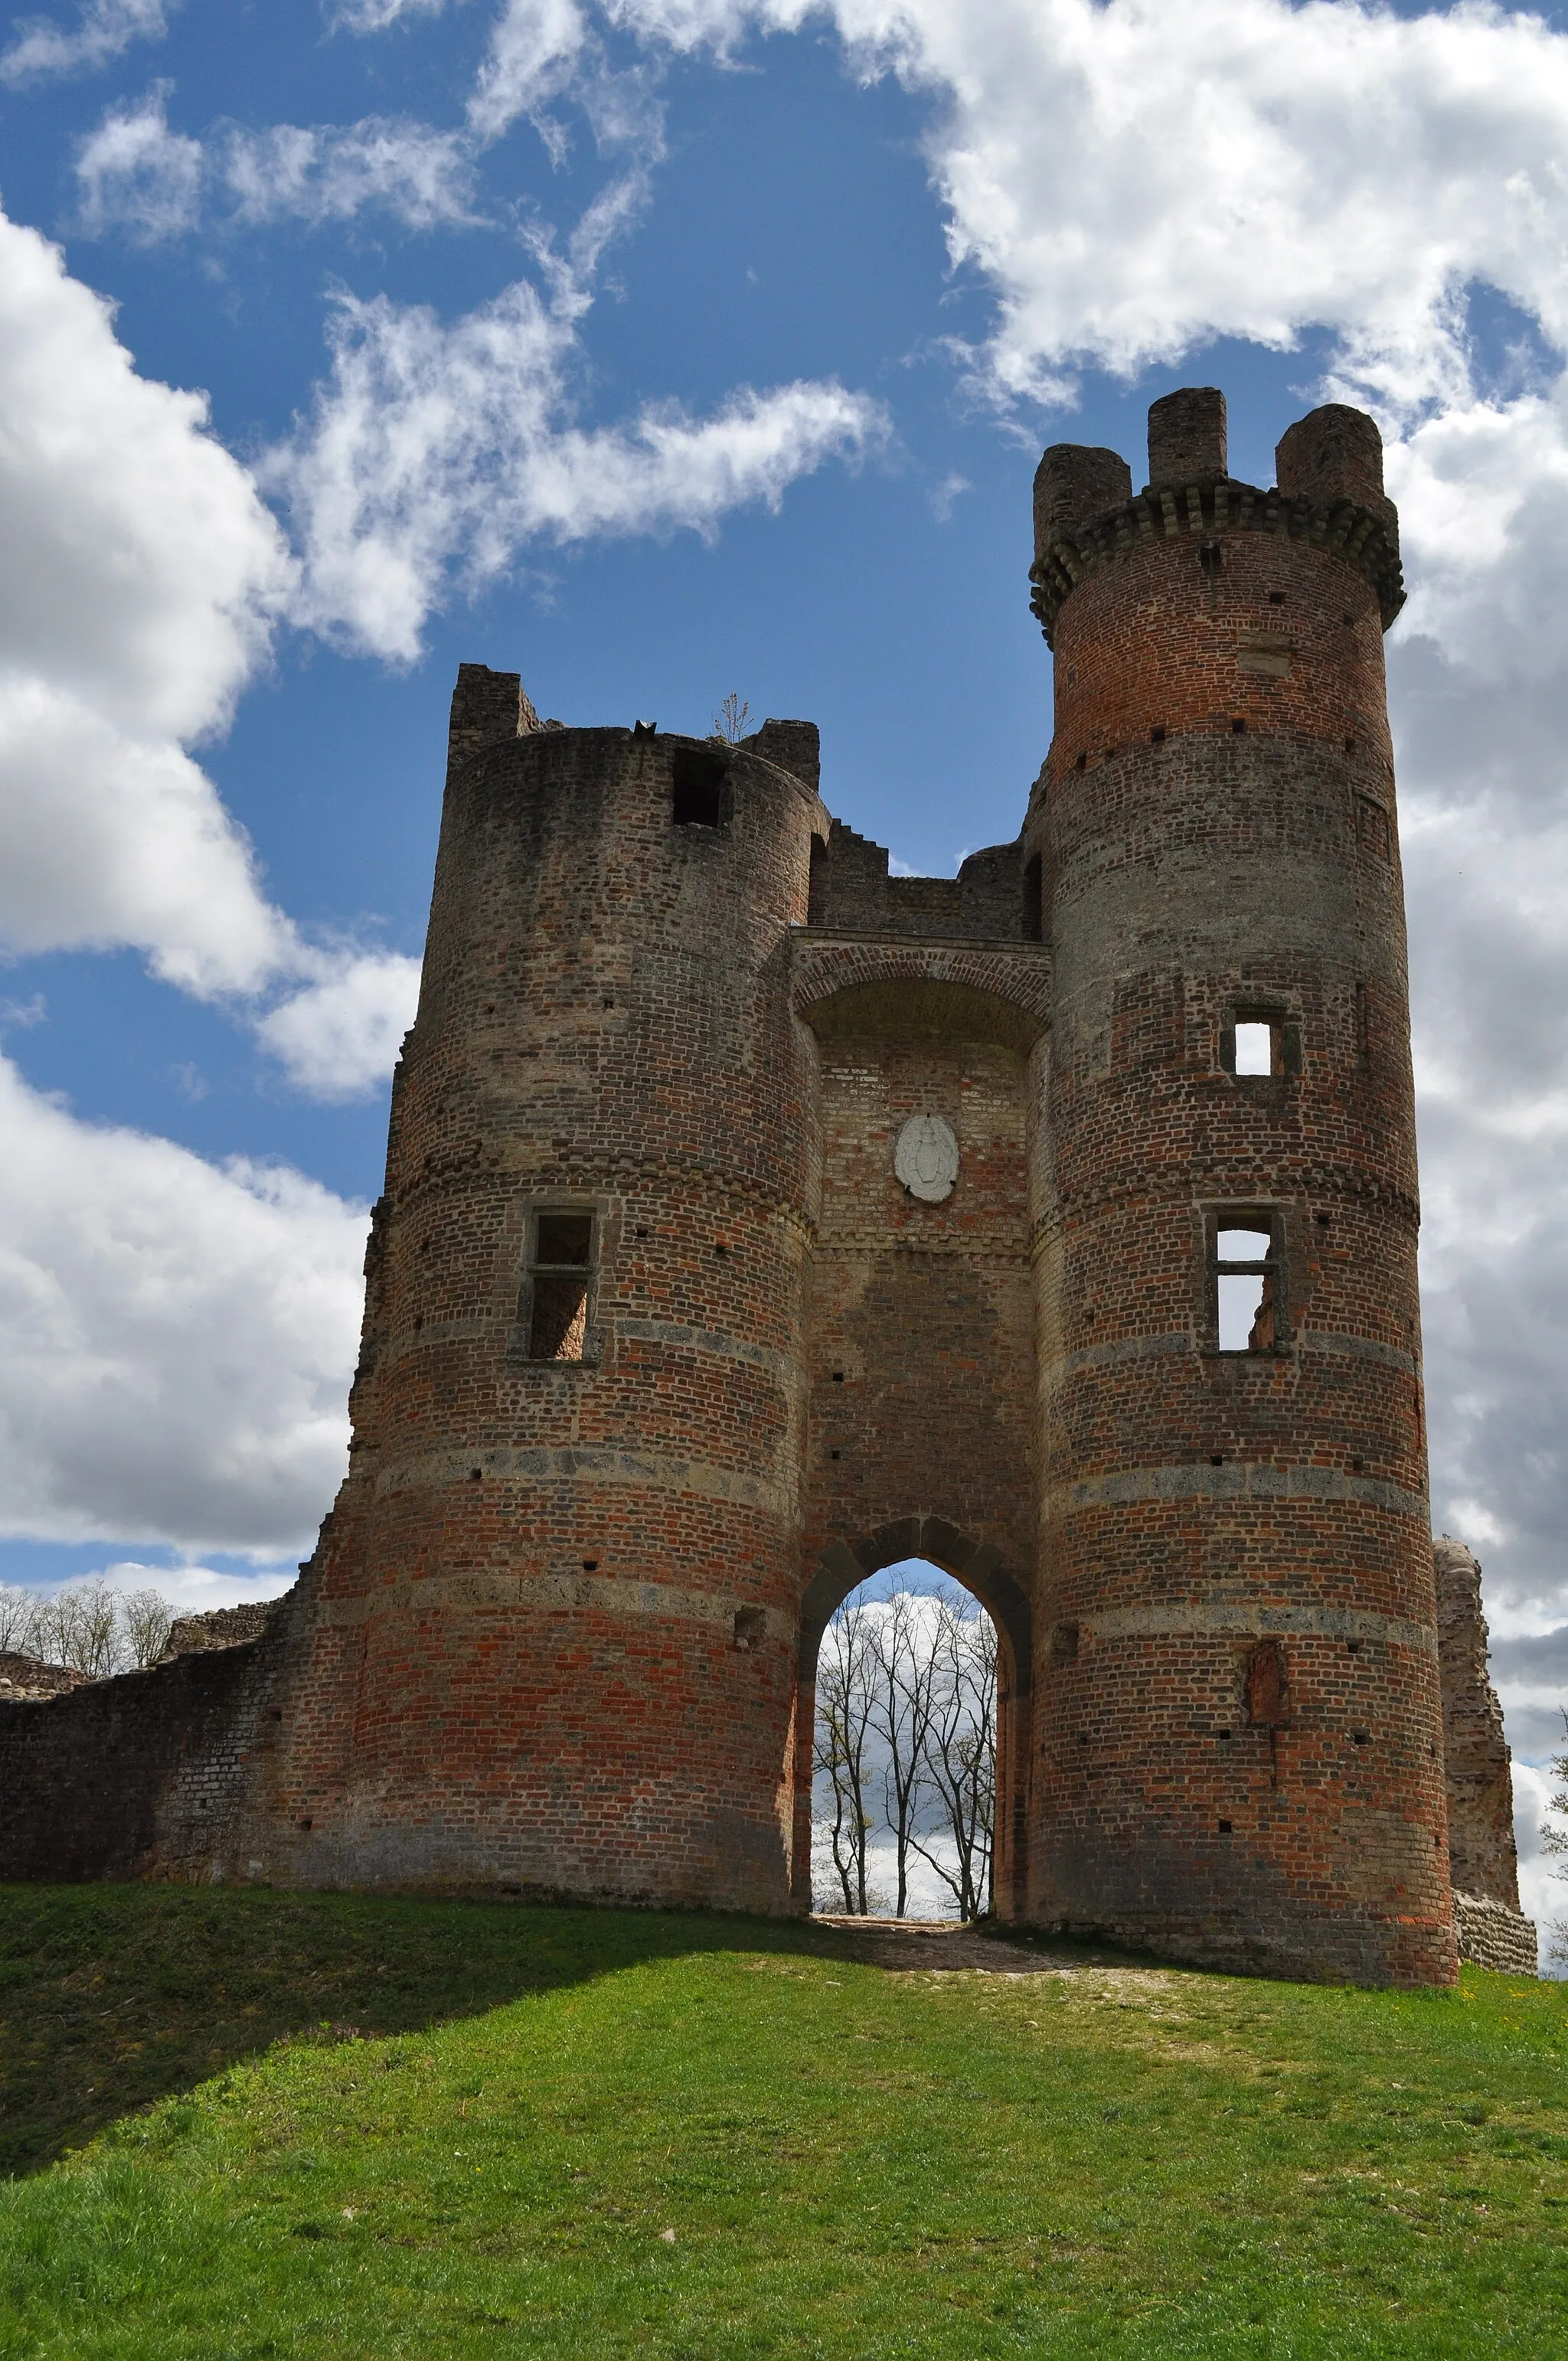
x,y
1034,899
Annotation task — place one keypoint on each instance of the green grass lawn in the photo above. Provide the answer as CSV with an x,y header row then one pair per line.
x,y
248,2125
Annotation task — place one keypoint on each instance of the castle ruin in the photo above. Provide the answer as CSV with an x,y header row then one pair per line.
x,y
755,1220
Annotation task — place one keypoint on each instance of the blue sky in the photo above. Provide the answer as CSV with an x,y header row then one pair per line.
x,y
661,348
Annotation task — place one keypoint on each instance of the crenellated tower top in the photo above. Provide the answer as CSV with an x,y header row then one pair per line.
x,y
1328,492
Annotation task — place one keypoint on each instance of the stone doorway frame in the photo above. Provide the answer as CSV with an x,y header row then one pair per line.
x,y
978,1567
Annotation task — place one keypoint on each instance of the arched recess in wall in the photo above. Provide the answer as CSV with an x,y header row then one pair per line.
x,y
980,1568
838,999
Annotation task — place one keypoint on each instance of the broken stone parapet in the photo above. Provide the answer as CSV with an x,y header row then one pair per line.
x,y
1493,1936
1493,1932
221,1627
1480,1778
29,1677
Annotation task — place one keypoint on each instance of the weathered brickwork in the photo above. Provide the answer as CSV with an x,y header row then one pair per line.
x,y
220,1627
662,1357
1493,1930
28,1676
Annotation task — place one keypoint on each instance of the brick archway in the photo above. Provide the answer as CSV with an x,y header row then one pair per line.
x,y
979,1567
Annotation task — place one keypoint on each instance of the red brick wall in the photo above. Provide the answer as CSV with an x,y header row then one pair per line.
x,y
523,1661
560,1631
1193,1503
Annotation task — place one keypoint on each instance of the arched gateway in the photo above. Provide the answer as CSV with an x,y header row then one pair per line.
x,y
754,1218
979,1566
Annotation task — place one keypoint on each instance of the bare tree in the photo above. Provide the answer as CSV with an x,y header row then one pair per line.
x,y
960,1753
82,1623
18,1620
1554,1840
903,1667
146,1621
90,1625
843,1727
730,721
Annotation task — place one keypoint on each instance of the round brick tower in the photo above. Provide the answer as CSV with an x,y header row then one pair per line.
x,y
1238,1692
548,1639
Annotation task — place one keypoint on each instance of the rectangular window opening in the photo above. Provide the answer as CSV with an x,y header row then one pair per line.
x,y
1247,1283
1258,1046
561,1279
700,794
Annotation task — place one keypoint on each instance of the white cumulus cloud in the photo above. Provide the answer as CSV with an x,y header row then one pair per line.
x,y
375,15
106,28
137,173
143,577
534,48
338,1037
328,172
438,452
180,1338
1134,179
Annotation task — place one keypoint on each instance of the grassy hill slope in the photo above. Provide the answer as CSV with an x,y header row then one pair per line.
x,y
334,2125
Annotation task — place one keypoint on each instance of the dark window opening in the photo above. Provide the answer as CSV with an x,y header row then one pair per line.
x,y
1034,900
1247,1283
1082,763
1156,737
1238,726
816,886
564,1239
1210,556
700,790
560,1282
1277,598
560,1325
751,1623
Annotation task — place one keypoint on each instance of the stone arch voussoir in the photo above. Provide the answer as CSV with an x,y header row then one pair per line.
x,y
998,993
844,1565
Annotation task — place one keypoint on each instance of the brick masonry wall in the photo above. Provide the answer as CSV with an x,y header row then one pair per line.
x,y
523,1659
559,1633
156,1774
1221,724
1483,1862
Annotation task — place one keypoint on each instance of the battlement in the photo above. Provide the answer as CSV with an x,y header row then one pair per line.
x,y
1328,494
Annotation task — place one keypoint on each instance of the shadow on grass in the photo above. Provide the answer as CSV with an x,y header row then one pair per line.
x,y
113,1997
